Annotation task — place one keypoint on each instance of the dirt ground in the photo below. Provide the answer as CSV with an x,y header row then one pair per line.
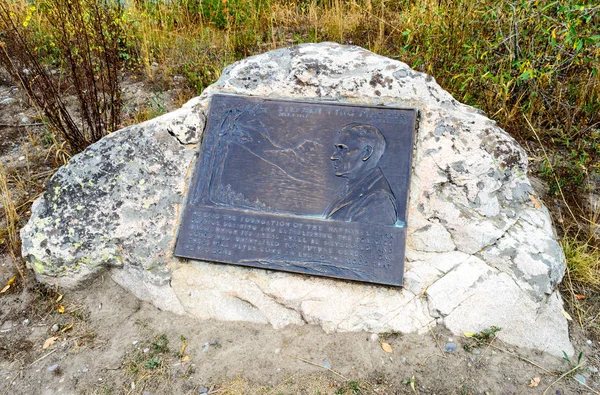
x,y
119,345
102,340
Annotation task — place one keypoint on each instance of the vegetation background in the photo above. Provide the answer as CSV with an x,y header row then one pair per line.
x,y
531,65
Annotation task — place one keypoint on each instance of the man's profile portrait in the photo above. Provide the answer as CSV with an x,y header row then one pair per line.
x,y
367,195
305,187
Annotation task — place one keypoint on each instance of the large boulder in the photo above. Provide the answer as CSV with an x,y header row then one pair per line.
x,y
481,250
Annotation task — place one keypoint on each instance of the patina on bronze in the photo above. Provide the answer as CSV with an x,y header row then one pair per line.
x,y
304,187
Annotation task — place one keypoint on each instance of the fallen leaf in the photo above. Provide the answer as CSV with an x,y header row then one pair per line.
x,y
580,296
412,384
535,201
535,381
49,342
469,334
59,298
567,316
61,308
66,328
386,347
185,359
8,284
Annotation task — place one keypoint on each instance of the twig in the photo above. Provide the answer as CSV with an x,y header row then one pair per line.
x,y
422,363
11,383
522,358
436,342
561,377
39,359
573,300
320,366
486,349
22,125
546,370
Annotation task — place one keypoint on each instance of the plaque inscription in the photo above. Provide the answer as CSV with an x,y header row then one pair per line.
x,y
304,187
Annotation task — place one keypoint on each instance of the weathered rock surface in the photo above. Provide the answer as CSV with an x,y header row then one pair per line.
x,y
481,249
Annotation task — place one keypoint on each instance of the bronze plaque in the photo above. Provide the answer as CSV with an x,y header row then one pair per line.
x,y
304,187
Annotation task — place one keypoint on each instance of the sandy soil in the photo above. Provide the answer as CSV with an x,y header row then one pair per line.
x,y
102,340
115,338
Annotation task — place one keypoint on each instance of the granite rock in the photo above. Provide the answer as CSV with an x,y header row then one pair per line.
x,y
481,250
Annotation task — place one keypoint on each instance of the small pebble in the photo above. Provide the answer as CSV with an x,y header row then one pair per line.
x,y
580,378
404,359
593,369
53,368
326,364
205,348
54,328
277,350
374,337
7,101
85,369
26,322
450,347
589,341
203,390
146,393
146,350
476,351
213,343
134,342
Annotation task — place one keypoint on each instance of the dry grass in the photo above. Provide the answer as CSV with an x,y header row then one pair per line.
x,y
583,261
9,232
539,61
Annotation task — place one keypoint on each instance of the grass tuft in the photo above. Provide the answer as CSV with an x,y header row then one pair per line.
x,y
583,261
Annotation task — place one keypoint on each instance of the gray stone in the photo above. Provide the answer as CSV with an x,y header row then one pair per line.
x,y
450,347
7,101
481,250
